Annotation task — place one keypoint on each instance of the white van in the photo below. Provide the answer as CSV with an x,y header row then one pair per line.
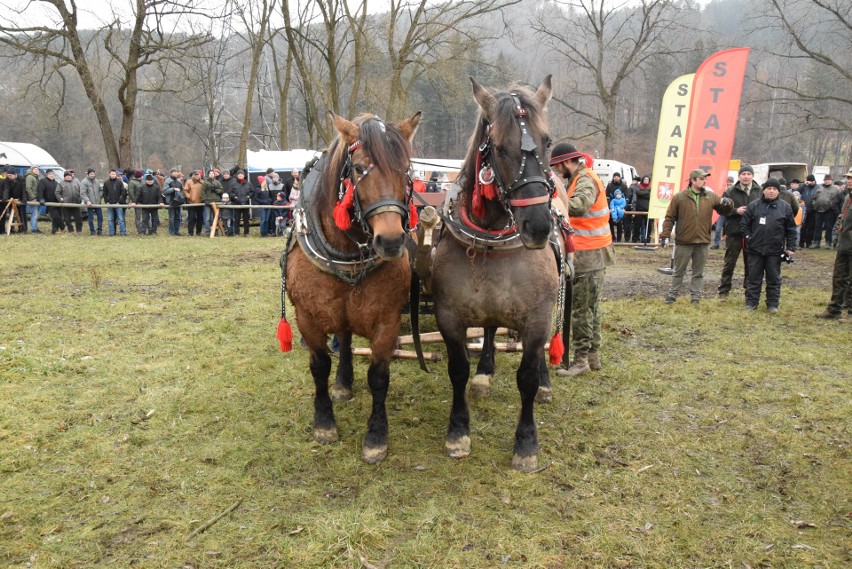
x,y
787,170
23,156
605,168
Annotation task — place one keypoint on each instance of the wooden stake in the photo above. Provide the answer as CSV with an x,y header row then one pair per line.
x,y
432,337
206,525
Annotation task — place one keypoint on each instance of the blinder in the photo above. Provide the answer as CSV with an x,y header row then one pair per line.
x,y
362,214
489,173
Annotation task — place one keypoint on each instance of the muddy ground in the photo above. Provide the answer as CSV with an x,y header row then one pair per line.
x,y
635,273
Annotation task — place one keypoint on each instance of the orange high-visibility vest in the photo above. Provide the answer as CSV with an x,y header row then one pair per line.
x,y
591,230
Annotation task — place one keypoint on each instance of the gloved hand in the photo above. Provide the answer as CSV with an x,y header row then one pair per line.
x,y
41,203
727,202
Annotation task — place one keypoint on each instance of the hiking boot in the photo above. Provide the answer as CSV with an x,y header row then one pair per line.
x,y
772,309
714,246
594,360
695,301
723,296
579,366
750,307
670,300
828,315
813,246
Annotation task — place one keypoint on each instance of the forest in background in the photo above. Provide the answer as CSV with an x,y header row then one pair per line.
x,y
178,83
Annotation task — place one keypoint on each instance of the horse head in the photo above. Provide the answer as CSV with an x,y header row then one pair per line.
x,y
512,143
375,170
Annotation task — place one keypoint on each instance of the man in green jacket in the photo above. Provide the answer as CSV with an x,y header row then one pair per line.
x,y
31,187
841,280
692,210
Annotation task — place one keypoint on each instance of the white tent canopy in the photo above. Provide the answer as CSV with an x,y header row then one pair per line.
x,y
26,155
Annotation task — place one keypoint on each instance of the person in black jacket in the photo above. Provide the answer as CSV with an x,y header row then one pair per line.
x,y
242,194
115,193
148,193
13,189
641,202
46,192
769,229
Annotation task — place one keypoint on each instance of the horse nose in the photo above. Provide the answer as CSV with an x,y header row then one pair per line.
x,y
389,247
535,231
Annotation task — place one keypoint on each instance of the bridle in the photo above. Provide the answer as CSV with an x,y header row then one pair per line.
x,y
488,174
351,177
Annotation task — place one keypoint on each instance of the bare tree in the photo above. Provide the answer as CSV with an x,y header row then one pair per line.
x,y
421,35
140,42
255,18
819,31
602,43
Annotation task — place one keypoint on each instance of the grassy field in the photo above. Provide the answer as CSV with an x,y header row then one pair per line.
x,y
142,393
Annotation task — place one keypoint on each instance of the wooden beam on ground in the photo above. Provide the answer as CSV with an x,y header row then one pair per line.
x,y
400,354
433,337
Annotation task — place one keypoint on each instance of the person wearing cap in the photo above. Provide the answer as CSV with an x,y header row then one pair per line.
x,y
90,188
15,189
769,229
47,187
585,201
115,193
807,191
69,193
174,197
31,188
134,183
241,194
827,204
192,188
841,278
742,193
692,210
147,195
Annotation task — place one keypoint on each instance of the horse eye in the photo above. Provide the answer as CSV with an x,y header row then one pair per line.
x,y
359,169
501,150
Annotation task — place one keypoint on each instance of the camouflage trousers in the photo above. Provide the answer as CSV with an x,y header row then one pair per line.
x,y
586,313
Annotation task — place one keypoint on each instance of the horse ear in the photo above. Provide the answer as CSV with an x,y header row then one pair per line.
x,y
408,127
544,91
484,99
348,130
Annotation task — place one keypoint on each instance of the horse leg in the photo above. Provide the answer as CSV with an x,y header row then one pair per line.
x,y
457,444
480,385
375,447
342,390
325,427
525,454
545,393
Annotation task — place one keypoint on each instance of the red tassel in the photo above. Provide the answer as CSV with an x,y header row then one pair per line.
x,y
413,219
342,217
489,191
285,335
557,349
477,203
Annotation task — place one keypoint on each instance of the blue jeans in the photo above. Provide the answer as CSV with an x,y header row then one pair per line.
x,y
96,211
264,221
207,218
174,220
34,218
113,215
717,236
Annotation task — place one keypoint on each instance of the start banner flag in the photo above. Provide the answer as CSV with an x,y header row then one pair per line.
x,y
671,138
715,107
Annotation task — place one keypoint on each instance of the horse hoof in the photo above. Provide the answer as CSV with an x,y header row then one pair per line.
x,y
374,455
544,395
525,463
480,385
458,448
325,436
341,394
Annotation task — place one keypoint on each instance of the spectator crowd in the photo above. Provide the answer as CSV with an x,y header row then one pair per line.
x,y
191,201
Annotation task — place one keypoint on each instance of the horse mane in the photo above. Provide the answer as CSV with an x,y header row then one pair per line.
x,y
504,120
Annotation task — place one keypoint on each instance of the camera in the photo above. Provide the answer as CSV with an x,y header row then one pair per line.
x,y
786,258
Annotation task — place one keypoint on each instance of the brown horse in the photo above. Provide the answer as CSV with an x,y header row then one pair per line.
x,y
492,266
350,272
